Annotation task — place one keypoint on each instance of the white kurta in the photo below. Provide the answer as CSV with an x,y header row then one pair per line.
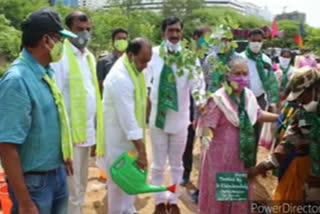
x,y
170,142
61,69
255,83
81,152
121,127
175,121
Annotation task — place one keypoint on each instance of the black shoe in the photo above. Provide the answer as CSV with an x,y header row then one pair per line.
x,y
184,181
195,196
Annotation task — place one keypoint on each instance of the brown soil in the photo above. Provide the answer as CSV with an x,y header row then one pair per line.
x,y
96,196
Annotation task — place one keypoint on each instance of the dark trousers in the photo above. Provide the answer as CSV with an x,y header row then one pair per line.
x,y
187,155
49,192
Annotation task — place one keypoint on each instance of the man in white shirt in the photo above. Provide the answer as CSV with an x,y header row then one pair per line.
x,y
169,123
77,80
262,80
124,132
256,84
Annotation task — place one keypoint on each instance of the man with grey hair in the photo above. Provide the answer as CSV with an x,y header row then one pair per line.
x,y
125,117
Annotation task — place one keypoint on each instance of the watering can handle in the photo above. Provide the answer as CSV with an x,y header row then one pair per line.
x,y
145,172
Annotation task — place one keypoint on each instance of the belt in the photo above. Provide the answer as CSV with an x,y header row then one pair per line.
x,y
53,171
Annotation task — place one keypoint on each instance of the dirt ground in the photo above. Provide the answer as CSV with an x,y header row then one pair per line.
x,y
96,197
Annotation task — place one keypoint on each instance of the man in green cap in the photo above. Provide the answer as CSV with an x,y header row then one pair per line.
x,y
35,140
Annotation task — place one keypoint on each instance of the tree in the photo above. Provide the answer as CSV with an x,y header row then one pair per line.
x,y
313,40
290,29
9,39
181,7
126,5
17,10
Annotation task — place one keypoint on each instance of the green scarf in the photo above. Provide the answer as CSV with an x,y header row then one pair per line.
x,y
285,78
140,93
218,77
269,80
66,141
314,140
225,58
248,147
78,101
167,95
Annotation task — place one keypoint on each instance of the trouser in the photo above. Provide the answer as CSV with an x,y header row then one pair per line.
x,y
187,155
78,182
258,126
119,202
165,146
49,192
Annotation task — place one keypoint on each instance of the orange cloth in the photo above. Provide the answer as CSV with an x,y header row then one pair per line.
x,y
290,187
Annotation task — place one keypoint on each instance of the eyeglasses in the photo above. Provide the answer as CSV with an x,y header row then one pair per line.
x,y
56,37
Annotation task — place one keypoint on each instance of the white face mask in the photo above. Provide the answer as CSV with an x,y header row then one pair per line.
x,y
284,62
255,47
311,107
172,47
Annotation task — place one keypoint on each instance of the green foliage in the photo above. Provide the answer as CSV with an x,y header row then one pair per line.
x,y
126,5
17,10
181,8
103,23
290,29
143,23
138,24
62,10
9,39
3,68
313,41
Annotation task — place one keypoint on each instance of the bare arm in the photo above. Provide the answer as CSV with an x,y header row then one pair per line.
x,y
268,117
142,161
12,166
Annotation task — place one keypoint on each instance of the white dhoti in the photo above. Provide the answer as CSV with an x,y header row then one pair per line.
x,y
165,146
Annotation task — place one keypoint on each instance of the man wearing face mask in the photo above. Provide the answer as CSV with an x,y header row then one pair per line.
x,y
35,137
284,72
261,76
262,80
170,111
77,79
124,102
297,155
120,44
224,53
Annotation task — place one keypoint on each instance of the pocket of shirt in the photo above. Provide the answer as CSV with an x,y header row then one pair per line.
x,y
35,182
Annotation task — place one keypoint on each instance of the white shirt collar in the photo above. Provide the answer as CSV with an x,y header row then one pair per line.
x,y
77,52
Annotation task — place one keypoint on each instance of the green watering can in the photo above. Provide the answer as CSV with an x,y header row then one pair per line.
x,y
126,174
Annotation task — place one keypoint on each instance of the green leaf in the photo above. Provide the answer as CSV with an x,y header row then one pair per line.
x,y
162,52
234,84
171,78
228,88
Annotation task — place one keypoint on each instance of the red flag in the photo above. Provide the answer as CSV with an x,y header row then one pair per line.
x,y
274,28
298,40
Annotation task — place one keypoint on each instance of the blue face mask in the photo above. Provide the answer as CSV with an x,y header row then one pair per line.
x,y
202,43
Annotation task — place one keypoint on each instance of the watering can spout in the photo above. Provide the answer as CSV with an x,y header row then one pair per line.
x,y
172,188
151,188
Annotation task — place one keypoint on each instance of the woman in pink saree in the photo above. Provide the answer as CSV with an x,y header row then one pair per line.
x,y
230,115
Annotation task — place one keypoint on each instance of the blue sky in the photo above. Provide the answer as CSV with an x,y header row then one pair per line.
x,y
310,7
